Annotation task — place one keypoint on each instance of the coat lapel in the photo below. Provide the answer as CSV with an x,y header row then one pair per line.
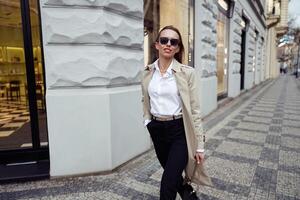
x,y
181,82
148,75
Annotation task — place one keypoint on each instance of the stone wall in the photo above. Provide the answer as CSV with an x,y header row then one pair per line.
x,y
234,61
235,45
207,39
92,42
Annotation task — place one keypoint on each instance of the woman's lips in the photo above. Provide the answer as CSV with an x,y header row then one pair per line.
x,y
167,50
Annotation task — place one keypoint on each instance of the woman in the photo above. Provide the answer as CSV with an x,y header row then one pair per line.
x,y
172,116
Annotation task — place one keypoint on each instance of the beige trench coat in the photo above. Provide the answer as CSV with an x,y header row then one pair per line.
x,y
188,90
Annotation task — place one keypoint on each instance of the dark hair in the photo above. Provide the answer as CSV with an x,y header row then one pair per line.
x,y
179,55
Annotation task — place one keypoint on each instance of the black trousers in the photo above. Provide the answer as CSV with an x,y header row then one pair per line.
x,y
171,149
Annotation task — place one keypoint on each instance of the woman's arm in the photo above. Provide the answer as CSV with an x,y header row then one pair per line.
x,y
195,109
196,114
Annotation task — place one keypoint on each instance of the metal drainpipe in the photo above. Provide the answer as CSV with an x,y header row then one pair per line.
x,y
298,67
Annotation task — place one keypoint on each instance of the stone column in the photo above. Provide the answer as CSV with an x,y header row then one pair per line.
x,y
205,53
235,41
93,61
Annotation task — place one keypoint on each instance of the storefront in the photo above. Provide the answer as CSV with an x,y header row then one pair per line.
x,y
23,127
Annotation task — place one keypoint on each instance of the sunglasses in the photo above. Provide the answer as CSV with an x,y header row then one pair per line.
x,y
164,40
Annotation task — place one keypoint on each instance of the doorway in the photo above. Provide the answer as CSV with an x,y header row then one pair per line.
x,y
255,58
23,128
245,25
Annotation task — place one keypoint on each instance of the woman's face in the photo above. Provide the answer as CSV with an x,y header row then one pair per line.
x,y
167,44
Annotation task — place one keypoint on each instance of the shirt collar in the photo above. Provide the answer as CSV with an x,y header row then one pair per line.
x,y
169,70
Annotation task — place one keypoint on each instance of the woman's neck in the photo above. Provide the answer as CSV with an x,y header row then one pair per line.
x,y
163,64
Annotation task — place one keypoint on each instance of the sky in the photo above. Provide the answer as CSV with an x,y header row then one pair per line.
x,y
294,10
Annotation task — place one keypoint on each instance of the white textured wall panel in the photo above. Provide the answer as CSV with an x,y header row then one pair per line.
x,y
129,7
92,43
92,66
92,26
206,37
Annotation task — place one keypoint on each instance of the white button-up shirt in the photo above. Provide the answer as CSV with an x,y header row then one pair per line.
x,y
163,92
164,95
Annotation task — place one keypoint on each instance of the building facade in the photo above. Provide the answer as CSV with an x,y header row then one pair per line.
x,y
277,23
237,33
87,58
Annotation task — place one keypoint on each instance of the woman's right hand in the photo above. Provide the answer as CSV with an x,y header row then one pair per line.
x,y
199,157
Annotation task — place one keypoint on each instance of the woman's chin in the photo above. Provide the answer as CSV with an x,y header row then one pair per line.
x,y
167,56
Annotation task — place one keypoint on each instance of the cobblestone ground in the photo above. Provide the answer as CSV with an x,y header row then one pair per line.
x,y
252,153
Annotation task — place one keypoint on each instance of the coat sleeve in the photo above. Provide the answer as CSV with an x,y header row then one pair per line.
x,y
145,102
195,108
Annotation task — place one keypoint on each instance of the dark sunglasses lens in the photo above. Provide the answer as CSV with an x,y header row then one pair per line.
x,y
163,40
174,42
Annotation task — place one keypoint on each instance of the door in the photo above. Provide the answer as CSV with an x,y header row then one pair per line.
x,y
23,131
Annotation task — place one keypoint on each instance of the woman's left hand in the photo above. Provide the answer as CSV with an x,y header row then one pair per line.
x,y
199,157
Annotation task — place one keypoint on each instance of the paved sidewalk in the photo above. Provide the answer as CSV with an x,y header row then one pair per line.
x,y
252,153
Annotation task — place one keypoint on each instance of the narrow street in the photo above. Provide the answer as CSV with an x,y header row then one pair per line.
x,y
252,153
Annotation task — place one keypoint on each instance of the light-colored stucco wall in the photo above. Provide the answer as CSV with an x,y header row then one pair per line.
x,y
93,62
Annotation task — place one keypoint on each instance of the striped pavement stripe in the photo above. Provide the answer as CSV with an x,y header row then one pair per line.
x,y
140,187
101,195
157,175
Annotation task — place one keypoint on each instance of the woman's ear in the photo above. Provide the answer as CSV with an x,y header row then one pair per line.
x,y
178,49
156,45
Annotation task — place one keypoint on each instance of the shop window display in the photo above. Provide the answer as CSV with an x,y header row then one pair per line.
x,y
222,47
15,118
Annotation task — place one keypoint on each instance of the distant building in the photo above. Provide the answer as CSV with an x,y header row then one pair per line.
x,y
277,24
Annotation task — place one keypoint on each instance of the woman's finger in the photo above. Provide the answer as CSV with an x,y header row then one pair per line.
x,y
198,159
201,156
